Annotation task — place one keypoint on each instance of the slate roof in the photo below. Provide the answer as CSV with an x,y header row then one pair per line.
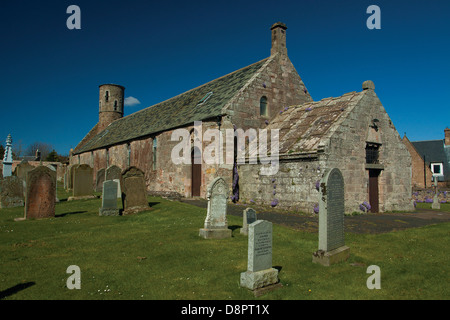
x,y
434,151
304,128
178,111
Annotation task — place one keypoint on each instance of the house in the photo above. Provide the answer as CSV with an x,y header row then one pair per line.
x,y
431,161
352,132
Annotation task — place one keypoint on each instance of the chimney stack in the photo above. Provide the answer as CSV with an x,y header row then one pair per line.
x,y
278,38
447,137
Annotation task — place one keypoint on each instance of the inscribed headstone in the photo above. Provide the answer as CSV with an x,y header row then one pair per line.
x,y
114,173
41,193
109,199
82,182
134,195
332,247
259,272
216,225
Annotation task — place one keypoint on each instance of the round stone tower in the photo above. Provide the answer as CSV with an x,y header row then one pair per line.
x,y
110,104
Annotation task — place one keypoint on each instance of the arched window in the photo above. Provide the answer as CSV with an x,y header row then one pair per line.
x,y
263,106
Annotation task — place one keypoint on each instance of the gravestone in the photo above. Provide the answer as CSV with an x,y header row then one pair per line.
x,y
100,179
216,225
70,171
41,193
436,204
7,158
11,192
134,195
114,173
248,217
51,167
259,272
332,247
109,199
82,182
22,169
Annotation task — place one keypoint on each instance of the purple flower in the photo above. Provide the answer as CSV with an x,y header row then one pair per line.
x,y
362,208
367,205
316,208
415,203
286,108
274,192
274,202
252,201
428,200
317,185
308,109
266,122
264,84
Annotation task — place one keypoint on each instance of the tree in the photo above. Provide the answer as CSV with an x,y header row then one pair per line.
x,y
44,149
2,152
52,156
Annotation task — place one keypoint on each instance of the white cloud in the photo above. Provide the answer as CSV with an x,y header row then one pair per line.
x,y
131,102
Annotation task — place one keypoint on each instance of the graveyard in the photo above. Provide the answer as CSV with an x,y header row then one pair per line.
x,y
158,254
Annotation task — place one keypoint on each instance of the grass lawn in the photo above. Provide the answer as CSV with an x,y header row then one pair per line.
x,y
159,255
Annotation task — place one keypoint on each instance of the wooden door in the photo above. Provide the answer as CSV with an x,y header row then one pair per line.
x,y
196,170
373,190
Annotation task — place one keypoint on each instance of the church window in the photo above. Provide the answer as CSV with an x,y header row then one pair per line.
x,y
263,106
115,105
154,153
107,96
372,153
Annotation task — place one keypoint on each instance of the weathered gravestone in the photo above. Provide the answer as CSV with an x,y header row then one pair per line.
x,y
436,204
82,182
11,192
100,179
70,171
216,225
22,170
51,167
114,173
41,193
109,199
134,196
332,247
248,217
259,272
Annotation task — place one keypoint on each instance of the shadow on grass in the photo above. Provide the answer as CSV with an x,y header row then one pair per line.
x,y
67,213
151,204
15,289
234,227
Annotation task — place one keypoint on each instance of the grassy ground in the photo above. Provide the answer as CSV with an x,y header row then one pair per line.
x,y
159,255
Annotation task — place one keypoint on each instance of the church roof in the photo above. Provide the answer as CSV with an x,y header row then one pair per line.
x,y
303,129
201,103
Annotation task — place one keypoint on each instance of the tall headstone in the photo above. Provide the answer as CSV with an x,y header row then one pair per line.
x,y
134,195
100,179
41,193
114,173
109,199
216,225
259,272
51,167
332,248
11,192
7,158
82,182
248,217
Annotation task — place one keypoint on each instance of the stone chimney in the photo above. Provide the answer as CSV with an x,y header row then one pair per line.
x,y
447,137
278,38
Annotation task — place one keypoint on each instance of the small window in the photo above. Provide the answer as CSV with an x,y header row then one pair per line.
x,y
107,96
372,153
437,169
205,98
100,106
115,105
263,106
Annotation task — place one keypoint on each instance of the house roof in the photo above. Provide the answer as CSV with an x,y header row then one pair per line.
x,y
304,128
433,150
201,103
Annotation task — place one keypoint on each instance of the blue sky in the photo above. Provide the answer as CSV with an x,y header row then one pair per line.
x,y
49,75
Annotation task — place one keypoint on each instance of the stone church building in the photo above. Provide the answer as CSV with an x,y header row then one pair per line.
x,y
352,132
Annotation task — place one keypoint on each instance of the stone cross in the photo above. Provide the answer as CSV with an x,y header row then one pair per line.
x,y
259,272
248,217
332,247
109,199
216,225
7,158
